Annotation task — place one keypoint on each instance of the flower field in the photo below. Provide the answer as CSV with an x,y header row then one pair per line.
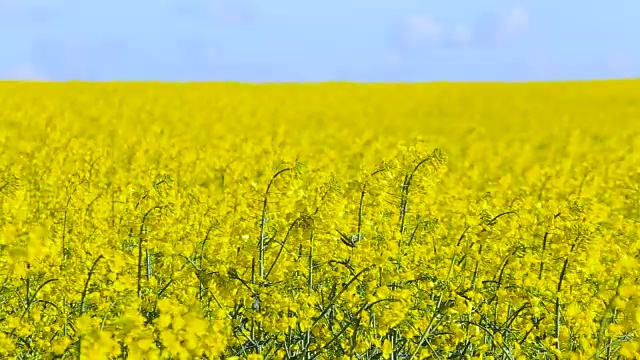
x,y
320,221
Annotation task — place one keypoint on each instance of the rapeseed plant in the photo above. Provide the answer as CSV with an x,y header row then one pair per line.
x,y
319,221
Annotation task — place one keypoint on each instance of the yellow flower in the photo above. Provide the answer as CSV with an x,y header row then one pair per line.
x,y
6,345
163,321
170,341
630,350
84,324
387,349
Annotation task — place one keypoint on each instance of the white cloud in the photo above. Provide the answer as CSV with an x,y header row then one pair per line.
x,y
516,22
461,35
422,30
23,73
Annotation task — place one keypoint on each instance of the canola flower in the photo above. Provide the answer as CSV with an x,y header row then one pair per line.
x,y
332,221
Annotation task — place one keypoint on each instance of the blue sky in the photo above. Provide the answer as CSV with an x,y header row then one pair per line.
x,y
304,40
